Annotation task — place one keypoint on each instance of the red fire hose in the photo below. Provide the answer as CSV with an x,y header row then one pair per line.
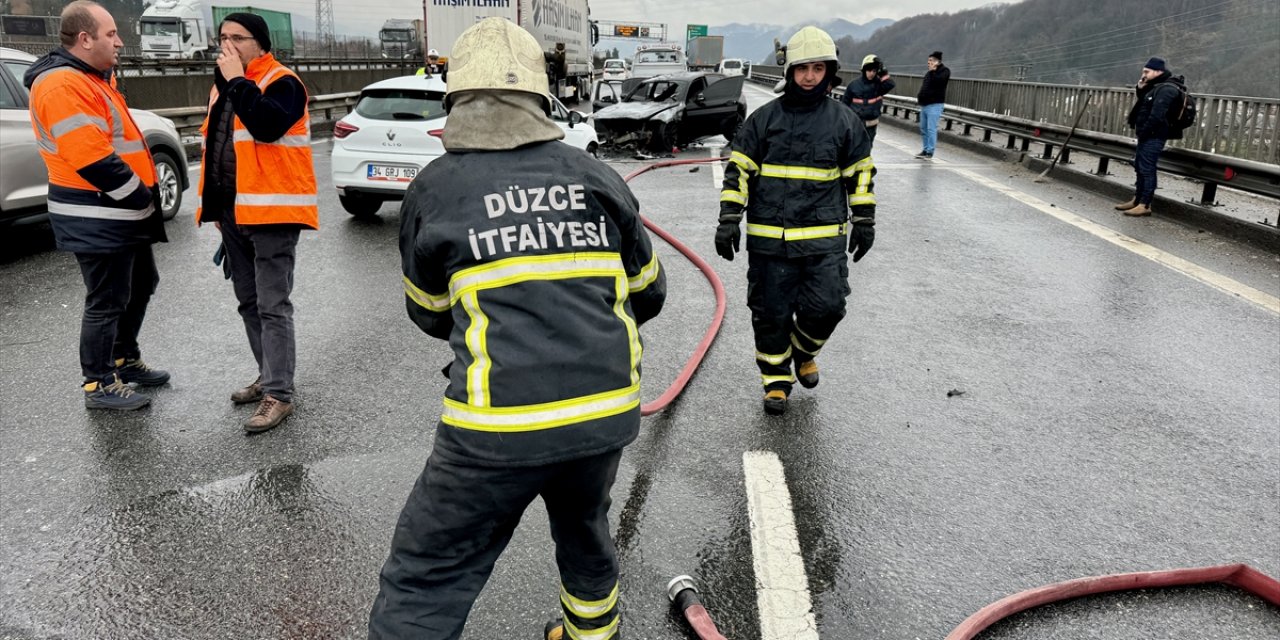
x,y
684,595
691,365
1239,575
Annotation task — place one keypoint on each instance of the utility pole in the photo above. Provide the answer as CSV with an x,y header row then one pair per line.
x,y
1023,68
324,23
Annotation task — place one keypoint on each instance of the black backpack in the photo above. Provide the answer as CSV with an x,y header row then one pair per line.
x,y
1182,113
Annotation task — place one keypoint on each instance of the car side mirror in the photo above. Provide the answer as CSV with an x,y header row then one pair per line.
x,y
575,117
700,99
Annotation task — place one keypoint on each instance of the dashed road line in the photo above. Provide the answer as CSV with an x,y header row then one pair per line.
x,y
786,612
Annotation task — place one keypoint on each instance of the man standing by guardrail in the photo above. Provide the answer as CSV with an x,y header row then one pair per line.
x,y
1149,119
932,97
102,200
258,184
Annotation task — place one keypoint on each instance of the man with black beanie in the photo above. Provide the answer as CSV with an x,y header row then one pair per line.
x,y
801,170
258,185
1157,90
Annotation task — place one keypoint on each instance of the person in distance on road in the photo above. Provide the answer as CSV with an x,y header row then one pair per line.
x,y
865,95
801,170
258,185
529,257
103,203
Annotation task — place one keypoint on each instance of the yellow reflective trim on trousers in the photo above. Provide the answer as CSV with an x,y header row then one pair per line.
x,y
792,234
864,164
535,417
798,173
603,633
589,609
768,380
808,337
548,267
634,347
772,358
646,276
478,372
741,159
733,196
430,302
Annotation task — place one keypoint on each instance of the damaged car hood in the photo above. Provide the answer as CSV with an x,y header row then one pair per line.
x,y
661,111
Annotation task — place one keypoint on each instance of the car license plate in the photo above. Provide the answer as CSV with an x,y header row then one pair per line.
x,y
392,174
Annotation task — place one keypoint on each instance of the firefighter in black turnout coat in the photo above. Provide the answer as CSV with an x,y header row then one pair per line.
x,y
800,166
529,257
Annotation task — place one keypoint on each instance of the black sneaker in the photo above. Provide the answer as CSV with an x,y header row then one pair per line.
x,y
134,370
924,155
112,393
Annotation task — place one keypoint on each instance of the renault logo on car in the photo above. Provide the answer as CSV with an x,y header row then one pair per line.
x,y
391,135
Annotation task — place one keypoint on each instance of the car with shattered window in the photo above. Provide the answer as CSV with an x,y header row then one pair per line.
x,y
669,111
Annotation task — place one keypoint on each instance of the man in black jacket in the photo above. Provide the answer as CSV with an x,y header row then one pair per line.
x,y
801,172
932,96
530,258
1157,91
865,95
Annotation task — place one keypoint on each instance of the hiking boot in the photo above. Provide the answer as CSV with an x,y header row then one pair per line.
x,y
1138,210
807,373
111,393
251,393
134,370
269,414
1127,204
554,630
775,402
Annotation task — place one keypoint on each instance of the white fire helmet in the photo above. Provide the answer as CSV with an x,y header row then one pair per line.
x,y
496,54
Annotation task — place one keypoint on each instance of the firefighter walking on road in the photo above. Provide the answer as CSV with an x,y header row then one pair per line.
x,y
801,170
102,200
529,257
865,94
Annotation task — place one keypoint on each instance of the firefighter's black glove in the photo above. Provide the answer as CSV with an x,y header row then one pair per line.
x,y
728,239
861,236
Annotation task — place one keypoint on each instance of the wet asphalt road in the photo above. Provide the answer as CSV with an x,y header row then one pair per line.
x,y
1117,416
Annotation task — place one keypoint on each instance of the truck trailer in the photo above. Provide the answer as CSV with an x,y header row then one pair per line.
x,y
562,27
705,53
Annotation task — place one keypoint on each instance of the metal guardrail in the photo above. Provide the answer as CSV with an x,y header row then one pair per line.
x,y
1234,126
324,110
146,66
1210,168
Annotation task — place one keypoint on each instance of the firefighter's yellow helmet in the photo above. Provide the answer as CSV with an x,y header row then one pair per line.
x,y
496,54
810,44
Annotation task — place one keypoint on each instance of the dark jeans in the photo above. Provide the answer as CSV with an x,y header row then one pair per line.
x,y
262,258
1144,164
458,520
871,133
118,287
795,304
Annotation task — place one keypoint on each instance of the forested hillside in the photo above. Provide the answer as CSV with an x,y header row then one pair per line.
x,y
1222,46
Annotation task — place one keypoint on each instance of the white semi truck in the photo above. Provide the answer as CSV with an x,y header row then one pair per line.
x,y
177,29
562,27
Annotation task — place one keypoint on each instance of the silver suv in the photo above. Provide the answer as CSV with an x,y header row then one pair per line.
x,y
24,181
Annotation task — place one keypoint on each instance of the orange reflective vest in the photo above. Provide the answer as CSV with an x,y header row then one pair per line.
x,y
275,181
92,148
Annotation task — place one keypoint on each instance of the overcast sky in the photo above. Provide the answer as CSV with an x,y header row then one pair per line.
x,y
364,17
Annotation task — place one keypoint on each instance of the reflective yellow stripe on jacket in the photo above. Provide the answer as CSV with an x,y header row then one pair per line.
x,y
792,234
862,194
464,288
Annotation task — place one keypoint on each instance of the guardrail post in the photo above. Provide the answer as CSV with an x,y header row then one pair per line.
x,y
1207,196
1048,151
1026,145
1103,163
949,121
1012,142
1066,156
968,130
986,135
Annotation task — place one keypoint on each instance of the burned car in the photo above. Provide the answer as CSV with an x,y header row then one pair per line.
x,y
668,111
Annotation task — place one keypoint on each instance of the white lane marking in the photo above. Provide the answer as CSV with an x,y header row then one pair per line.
x,y
786,612
1185,267
717,168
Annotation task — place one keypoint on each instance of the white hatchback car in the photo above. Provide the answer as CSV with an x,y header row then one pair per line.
x,y
395,131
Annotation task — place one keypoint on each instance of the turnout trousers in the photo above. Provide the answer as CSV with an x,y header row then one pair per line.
x,y
795,304
460,517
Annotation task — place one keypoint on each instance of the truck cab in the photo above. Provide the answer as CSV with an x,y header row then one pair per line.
x,y
175,29
657,59
401,39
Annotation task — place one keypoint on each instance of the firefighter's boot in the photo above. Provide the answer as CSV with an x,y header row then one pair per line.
x,y
554,630
807,373
775,402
